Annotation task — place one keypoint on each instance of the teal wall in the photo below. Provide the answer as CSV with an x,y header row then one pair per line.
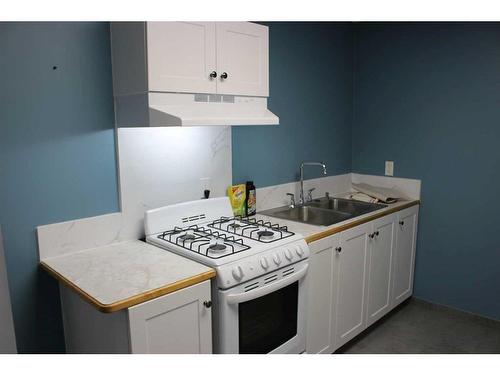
x,y
311,75
428,97
57,159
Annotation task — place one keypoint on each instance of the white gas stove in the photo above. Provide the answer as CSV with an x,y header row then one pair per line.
x,y
240,249
259,294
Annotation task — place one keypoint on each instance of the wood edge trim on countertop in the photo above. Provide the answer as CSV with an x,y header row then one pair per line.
x,y
134,300
341,228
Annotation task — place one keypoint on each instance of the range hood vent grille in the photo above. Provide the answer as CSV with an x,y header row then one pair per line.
x,y
177,109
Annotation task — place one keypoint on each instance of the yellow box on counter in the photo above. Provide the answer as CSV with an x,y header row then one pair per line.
x,y
237,195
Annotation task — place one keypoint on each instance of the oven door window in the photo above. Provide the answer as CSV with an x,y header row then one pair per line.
x,y
269,321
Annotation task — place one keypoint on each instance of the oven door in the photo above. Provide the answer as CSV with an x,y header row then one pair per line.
x,y
264,315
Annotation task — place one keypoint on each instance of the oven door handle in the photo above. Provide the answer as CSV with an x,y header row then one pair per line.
x,y
262,291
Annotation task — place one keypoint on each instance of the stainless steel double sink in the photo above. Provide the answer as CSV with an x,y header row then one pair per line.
x,y
324,211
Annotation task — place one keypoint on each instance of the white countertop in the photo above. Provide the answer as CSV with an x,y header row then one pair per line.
x,y
125,272
121,275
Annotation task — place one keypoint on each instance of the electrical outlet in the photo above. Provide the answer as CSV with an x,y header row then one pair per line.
x,y
389,168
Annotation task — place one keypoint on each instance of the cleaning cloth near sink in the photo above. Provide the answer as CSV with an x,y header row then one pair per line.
x,y
363,197
386,195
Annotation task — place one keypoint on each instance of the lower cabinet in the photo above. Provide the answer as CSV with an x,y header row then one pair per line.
x,y
320,319
357,276
179,322
404,254
350,283
380,268
176,323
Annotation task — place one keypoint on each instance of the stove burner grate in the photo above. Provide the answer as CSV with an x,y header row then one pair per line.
x,y
257,230
204,241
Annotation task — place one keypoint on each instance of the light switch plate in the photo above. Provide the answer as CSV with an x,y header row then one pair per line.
x,y
389,168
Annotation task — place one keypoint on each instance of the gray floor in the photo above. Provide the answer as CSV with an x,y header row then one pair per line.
x,y
417,326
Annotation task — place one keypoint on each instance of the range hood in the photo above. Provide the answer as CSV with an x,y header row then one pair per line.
x,y
184,109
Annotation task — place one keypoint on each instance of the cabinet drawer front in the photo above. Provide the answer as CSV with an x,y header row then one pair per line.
x,y
176,323
181,56
242,53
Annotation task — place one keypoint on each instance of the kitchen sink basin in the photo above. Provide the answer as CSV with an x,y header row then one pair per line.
x,y
349,206
308,214
324,211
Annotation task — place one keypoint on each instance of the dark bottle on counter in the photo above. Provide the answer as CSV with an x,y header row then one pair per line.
x,y
250,199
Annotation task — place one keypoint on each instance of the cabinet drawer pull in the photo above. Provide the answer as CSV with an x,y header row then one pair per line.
x,y
207,304
338,249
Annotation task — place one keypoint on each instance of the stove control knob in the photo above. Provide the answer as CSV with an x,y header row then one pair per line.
x,y
277,259
263,263
299,251
237,273
288,254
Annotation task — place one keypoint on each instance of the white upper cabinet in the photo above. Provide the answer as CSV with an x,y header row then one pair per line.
x,y
242,59
230,58
190,73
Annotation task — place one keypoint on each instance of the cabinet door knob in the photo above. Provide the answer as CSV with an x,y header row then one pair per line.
x,y
401,222
207,304
338,249
223,75
371,235
213,74
376,233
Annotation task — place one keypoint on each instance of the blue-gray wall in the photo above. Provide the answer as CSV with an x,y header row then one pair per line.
x,y
311,74
57,159
428,97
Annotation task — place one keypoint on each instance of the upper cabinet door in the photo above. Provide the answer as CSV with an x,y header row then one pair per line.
x,y
181,56
242,59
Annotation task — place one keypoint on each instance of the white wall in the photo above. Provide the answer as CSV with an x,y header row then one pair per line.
x,y
7,336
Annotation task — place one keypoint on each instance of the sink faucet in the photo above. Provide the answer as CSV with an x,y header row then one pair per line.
x,y
301,198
